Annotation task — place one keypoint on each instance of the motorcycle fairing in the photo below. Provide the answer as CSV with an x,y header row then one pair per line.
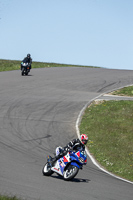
x,y
76,159
61,164
78,156
57,168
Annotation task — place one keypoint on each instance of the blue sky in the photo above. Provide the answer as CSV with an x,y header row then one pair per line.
x,y
80,32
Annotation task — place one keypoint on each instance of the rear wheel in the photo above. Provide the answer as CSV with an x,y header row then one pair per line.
x,y
47,170
70,172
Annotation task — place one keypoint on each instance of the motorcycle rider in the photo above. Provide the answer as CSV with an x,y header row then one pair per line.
x,y
75,143
28,60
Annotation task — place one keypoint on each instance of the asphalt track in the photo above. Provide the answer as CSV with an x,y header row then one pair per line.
x,y
39,112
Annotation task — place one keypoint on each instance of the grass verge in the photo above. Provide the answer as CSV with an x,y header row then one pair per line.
x,y
8,198
9,65
126,91
109,126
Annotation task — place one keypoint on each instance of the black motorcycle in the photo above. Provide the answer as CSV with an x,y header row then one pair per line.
x,y
25,68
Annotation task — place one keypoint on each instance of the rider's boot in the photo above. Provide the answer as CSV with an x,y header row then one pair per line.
x,y
53,160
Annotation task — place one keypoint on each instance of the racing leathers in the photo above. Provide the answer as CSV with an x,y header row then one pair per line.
x,y
27,60
75,144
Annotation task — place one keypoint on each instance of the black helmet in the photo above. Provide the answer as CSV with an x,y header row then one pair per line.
x,y
28,55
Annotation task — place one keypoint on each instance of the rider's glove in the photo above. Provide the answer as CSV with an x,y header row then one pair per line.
x,y
68,149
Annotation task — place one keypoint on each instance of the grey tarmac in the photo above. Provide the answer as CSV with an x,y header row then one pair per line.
x,y
39,112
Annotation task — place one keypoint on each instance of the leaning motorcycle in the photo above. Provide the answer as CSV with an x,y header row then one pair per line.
x,y
25,68
68,165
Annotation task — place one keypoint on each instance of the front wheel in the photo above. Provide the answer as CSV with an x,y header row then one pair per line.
x,y
22,72
70,172
47,170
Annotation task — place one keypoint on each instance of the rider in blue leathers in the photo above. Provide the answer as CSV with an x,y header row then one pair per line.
x,y
78,143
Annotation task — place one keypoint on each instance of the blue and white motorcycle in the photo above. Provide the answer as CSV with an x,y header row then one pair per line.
x,y
68,165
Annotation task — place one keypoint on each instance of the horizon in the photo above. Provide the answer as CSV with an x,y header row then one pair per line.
x,y
87,33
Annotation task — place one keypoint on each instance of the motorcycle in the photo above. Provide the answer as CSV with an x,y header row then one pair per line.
x,y
67,166
25,68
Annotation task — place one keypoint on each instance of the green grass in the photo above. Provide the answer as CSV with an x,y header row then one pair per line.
x,y
8,198
9,65
126,91
109,126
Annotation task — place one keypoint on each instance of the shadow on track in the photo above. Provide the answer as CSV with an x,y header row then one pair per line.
x,y
73,180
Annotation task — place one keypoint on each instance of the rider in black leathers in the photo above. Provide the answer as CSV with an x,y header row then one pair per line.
x,y
76,143
28,60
